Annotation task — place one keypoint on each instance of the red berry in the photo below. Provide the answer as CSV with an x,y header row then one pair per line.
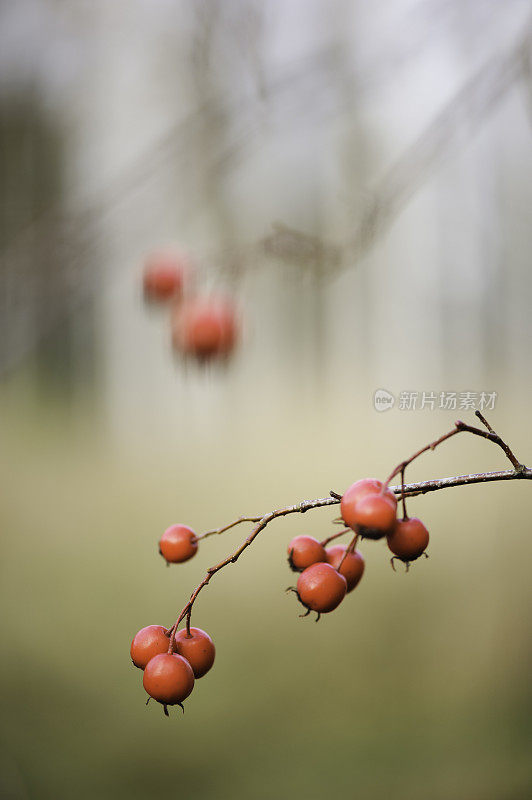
x,y
198,649
408,539
304,551
148,642
374,516
178,543
321,588
164,275
352,565
168,678
356,492
205,328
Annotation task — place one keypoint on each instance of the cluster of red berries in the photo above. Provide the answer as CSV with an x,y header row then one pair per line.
x,y
171,669
327,573
202,327
369,508
173,659
171,665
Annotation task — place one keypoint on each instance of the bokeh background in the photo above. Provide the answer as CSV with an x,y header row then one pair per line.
x,y
359,177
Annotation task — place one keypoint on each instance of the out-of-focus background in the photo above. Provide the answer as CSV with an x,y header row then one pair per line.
x,y
359,178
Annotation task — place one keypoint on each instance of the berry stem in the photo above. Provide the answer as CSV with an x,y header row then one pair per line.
x,y
325,542
401,467
403,498
351,547
224,528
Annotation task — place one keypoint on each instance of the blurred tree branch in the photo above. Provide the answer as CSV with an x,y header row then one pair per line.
x,y
79,231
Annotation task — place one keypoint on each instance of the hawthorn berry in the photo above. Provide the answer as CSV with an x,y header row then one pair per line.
x,y
321,588
147,643
198,649
178,543
169,679
356,493
165,274
205,328
304,551
352,565
374,516
408,539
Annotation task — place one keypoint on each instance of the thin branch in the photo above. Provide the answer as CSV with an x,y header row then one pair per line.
x,y
423,487
410,490
494,437
300,508
400,468
224,528
458,120
484,421
459,427
403,490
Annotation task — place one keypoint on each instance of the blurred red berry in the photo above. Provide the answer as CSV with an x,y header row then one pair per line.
x,y
165,274
205,328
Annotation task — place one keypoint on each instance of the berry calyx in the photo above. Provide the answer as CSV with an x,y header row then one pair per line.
x,y
321,588
352,565
374,516
303,551
169,679
205,328
408,539
164,276
178,543
356,493
198,649
148,643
